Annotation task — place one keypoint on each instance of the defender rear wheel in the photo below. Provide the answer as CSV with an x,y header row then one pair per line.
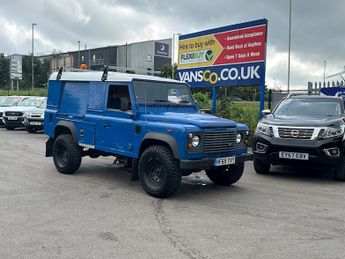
x,y
159,172
66,154
225,175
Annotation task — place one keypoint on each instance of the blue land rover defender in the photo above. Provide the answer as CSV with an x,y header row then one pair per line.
x,y
151,124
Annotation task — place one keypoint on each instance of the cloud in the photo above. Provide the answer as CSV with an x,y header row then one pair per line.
x,y
316,28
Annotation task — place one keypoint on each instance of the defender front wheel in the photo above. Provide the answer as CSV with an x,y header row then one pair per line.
x,y
159,172
66,154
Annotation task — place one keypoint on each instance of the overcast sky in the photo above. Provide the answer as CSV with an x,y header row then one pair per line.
x,y
317,28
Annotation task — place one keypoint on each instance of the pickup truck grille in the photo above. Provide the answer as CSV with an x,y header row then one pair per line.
x,y
18,114
296,133
223,141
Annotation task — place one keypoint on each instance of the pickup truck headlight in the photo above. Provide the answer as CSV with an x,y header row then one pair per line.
x,y
332,132
264,129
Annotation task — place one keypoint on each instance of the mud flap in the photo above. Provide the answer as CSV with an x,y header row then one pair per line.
x,y
49,147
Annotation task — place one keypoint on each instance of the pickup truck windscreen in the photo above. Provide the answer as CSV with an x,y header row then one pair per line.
x,y
301,107
160,93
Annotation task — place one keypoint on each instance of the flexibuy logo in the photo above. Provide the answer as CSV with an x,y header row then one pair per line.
x,y
196,57
209,55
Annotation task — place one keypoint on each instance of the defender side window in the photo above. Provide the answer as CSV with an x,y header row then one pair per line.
x,y
115,94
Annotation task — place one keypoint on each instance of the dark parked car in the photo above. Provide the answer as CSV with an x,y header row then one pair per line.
x,y
302,130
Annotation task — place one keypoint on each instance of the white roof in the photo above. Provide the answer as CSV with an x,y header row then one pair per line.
x,y
112,77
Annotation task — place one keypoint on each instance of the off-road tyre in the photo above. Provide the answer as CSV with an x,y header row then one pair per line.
x,y
66,154
261,167
159,171
225,175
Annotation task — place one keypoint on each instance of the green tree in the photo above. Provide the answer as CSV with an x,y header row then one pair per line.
x,y
203,101
168,71
4,71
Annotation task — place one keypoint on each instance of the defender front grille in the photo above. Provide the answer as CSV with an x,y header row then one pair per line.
x,y
296,133
223,141
18,114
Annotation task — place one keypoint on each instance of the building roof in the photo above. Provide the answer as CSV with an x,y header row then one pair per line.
x,y
112,77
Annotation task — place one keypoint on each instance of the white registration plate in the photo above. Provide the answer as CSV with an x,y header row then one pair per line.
x,y
11,118
36,123
224,161
293,155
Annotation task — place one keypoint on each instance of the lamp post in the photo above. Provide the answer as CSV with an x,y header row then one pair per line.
x,y
288,83
32,57
78,54
173,47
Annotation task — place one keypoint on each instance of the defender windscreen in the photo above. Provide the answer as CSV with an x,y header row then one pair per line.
x,y
161,93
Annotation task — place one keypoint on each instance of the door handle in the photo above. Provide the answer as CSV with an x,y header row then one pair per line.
x,y
107,126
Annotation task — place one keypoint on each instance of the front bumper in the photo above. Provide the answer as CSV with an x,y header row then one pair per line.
x,y
33,123
315,149
201,164
18,123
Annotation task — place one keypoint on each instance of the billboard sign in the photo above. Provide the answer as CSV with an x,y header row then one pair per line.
x,y
161,49
227,56
16,67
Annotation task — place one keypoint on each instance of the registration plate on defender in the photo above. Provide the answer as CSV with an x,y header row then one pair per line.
x,y
11,118
224,161
293,155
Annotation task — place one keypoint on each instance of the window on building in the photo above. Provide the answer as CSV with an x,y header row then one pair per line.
x,y
115,94
82,58
93,56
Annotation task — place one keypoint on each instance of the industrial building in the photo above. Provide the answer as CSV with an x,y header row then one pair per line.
x,y
147,57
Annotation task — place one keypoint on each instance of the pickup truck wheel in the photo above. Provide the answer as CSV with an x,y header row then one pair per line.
x,y
159,172
66,154
225,175
261,167
340,173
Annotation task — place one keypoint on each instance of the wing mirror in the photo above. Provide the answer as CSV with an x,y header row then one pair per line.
x,y
265,112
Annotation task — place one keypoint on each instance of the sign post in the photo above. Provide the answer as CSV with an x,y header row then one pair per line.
x,y
227,56
15,69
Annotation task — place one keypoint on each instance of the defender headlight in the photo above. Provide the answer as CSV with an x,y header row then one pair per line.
x,y
264,129
195,141
332,132
238,138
